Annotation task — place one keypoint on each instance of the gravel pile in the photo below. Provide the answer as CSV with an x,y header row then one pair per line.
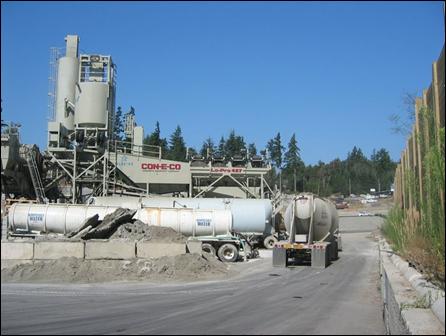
x,y
141,231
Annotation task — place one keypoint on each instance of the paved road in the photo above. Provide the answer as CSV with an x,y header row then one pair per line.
x,y
342,299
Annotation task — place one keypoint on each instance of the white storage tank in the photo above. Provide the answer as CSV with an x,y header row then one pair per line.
x,y
67,77
56,218
91,105
190,222
66,218
248,215
325,217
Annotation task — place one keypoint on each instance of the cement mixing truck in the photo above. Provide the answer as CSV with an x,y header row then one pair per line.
x,y
312,224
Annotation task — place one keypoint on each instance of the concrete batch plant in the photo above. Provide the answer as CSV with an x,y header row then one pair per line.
x,y
84,160
85,165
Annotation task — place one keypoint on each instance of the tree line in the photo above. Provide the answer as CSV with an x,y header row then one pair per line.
x,y
355,175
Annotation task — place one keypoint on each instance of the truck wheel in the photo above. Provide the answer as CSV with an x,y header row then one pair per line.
x,y
228,253
269,242
208,248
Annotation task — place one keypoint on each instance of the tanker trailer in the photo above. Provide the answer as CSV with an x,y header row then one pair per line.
x,y
213,227
251,218
312,224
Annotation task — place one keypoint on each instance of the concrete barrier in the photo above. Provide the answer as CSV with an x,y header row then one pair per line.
x,y
194,246
407,310
22,250
56,250
110,250
156,250
103,249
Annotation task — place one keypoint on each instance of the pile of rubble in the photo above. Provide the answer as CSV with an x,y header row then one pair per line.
x,y
184,267
92,228
118,225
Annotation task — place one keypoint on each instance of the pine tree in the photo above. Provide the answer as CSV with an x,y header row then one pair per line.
x,y
234,145
221,146
191,151
384,168
277,150
177,147
118,125
292,158
154,139
208,147
293,165
252,150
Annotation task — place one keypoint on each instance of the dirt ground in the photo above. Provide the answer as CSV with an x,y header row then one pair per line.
x,y
188,267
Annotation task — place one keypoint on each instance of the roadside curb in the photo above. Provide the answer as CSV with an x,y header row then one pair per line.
x,y
404,290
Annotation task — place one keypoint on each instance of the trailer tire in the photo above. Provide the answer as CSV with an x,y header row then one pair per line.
x,y
228,253
269,242
208,248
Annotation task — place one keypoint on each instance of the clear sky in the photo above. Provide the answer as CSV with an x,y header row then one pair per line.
x,y
331,72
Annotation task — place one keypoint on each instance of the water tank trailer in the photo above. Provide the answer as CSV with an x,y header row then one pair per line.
x,y
312,224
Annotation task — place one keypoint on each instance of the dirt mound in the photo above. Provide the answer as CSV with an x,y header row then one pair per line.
x,y
183,267
141,231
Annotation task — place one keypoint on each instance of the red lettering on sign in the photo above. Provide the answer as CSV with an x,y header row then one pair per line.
x,y
227,170
160,166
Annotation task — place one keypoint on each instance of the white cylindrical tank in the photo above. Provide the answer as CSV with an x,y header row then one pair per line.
x,y
91,105
66,218
67,76
248,215
325,217
57,218
190,222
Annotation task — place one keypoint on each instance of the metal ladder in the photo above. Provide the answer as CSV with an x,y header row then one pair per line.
x,y
35,176
278,202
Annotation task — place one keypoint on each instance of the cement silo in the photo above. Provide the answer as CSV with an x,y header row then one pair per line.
x,y
94,95
67,77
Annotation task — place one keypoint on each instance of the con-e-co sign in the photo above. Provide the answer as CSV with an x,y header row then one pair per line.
x,y
161,166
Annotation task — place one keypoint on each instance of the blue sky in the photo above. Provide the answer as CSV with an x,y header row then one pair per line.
x,y
331,72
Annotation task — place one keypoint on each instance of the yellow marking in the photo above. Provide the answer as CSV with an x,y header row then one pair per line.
x,y
293,246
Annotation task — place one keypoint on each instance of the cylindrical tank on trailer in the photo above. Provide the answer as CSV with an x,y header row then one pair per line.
x,y
325,217
91,105
56,218
190,222
66,218
67,76
248,215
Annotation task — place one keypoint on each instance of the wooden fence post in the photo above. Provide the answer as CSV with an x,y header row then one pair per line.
x,y
420,153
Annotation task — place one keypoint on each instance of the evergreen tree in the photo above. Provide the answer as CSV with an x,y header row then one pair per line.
x,y
221,146
277,149
234,145
118,125
191,151
292,158
384,168
208,146
177,146
293,165
270,150
252,150
154,139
